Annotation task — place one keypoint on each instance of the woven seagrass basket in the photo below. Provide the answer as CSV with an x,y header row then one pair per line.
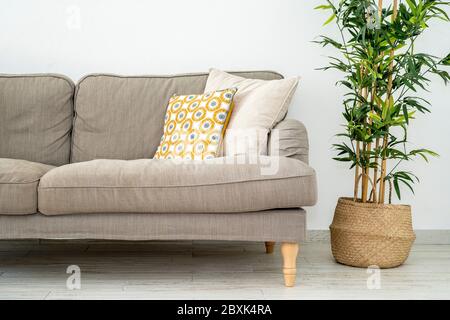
x,y
368,234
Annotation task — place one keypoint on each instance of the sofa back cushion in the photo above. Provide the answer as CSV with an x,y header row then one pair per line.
x,y
122,117
36,113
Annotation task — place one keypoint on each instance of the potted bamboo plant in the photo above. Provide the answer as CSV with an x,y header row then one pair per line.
x,y
383,74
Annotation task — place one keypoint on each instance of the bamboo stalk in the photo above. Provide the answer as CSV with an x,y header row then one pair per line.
x,y
383,172
356,185
362,92
373,194
366,149
395,10
358,146
364,186
388,98
377,141
375,173
390,192
360,177
367,171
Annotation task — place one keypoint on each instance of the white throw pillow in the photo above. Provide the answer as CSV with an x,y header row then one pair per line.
x,y
259,105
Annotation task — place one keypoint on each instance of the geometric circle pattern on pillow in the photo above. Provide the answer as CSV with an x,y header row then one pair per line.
x,y
194,125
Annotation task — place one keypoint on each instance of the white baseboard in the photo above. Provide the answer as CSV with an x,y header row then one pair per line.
x,y
422,236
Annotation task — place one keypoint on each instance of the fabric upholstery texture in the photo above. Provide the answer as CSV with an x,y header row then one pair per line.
x,y
194,125
209,186
272,225
290,139
36,117
18,185
122,117
259,106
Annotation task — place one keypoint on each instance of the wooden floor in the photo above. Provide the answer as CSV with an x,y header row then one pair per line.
x,y
207,270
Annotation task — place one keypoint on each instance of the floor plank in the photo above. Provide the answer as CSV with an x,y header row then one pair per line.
x,y
207,270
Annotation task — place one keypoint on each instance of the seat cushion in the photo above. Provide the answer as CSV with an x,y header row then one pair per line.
x,y
18,185
168,186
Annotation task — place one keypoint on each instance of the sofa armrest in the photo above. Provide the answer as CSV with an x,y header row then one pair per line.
x,y
292,140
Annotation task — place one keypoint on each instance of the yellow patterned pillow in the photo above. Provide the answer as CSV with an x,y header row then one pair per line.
x,y
195,124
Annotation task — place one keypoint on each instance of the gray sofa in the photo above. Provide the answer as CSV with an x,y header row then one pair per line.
x,y
76,163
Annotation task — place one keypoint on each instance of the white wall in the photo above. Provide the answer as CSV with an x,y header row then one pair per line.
x,y
173,36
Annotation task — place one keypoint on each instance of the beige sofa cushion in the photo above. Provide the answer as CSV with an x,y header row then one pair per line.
x,y
122,117
166,186
259,105
36,113
18,185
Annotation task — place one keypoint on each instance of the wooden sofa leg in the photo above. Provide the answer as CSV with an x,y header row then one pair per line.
x,y
289,252
269,246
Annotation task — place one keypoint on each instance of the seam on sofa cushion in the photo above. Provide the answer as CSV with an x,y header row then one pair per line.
x,y
42,75
169,76
175,186
21,213
245,210
25,182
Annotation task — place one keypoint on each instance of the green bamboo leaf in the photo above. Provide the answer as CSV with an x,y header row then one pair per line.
x,y
405,113
397,188
412,5
444,16
446,60
409,186
330,19
323,7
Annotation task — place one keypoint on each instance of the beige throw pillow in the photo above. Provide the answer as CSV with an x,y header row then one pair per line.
x,y
259,105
